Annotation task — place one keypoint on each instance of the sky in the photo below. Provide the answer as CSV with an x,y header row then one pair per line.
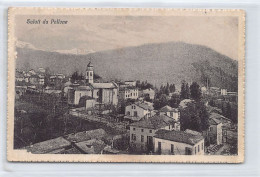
x,y
100,33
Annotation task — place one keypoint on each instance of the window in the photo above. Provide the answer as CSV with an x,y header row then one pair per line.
x,y
131,94
97,93
195,150
142,138
90,73
87,73
202,146
135,113
210,129
169,127
132,107
159,147
142,130
133,137
171,114
198,148
187,151
128,113
150,131
134,129
172,148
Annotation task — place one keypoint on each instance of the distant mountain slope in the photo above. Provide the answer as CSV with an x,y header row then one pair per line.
x,y
156,63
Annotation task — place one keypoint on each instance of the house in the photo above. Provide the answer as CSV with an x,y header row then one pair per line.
x,y
223,91
19,76
214,132
41,70
41,79
32,72
171,112
129,92
184,103
34,79
137,111
148,93
178,143
57,79
224,120
142,132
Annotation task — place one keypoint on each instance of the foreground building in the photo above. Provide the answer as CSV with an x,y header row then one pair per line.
x,y
142,132
178,143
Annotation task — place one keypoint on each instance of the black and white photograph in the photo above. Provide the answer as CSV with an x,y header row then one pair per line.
x,y
126,85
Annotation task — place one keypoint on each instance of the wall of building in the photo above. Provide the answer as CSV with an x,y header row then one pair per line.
x,y
149,92
109,96
134,108
128,94
215,134
141,146
179,148
81,93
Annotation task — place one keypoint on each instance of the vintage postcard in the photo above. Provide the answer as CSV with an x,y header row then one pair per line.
x,y
126,85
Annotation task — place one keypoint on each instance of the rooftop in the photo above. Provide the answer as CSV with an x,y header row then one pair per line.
x,y
93,146
184,103
168,109
123,88
82,88
179,136
155,122
90,64
86,135
214,121
48,146
104,85
192,132
144,106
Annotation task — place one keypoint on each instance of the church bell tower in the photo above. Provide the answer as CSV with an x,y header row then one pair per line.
x,y
90,73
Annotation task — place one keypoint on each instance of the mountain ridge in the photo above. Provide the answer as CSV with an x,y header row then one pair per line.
x,y
157,63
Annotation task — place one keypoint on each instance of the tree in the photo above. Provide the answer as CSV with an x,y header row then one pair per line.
x,y
185,90
172,88
194,117
195,92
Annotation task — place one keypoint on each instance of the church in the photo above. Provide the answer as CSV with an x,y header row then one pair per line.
x,y
105,93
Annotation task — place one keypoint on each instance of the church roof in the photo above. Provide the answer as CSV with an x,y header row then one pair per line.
x,y
90,64
103,85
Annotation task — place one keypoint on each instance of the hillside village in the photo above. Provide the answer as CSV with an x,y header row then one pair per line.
x,y
60,114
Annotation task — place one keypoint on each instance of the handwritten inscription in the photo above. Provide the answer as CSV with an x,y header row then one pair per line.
x,y
46,21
